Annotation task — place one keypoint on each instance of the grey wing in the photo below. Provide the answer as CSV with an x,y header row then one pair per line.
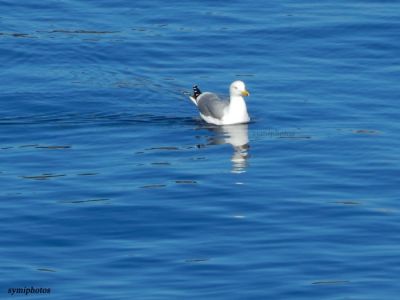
x,y
210,104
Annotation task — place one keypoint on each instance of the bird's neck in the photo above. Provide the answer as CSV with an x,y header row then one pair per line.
x,y
238,109
237,104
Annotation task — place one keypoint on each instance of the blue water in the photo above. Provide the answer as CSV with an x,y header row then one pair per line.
x,y
113,188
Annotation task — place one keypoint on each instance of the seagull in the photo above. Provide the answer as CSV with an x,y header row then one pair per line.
x,y
216,111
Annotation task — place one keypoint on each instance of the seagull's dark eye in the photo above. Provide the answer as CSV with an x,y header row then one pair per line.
x,y
235,87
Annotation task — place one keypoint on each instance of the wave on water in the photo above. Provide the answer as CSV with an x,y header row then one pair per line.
x,y
97,118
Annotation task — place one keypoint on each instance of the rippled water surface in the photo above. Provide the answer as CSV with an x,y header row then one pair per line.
x,y
113,188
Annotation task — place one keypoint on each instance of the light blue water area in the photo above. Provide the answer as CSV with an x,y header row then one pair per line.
x,y
113,188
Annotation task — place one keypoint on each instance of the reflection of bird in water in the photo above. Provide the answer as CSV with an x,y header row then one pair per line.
x,y
236,135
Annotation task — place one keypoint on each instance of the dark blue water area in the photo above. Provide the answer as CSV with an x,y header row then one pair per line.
x,y
113,188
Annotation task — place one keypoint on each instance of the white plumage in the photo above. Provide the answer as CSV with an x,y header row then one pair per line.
x,y
216,111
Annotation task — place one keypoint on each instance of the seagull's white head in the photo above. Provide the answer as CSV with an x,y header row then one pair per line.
x,y
238,88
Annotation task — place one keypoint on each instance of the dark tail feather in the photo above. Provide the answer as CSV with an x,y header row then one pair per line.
x,y
196,92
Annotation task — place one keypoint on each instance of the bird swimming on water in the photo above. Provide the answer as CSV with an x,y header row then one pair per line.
x,y
216,111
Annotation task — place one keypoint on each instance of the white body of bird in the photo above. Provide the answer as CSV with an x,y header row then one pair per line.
x,y
214,110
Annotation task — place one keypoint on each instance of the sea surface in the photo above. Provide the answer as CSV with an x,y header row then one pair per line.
x,y
113,188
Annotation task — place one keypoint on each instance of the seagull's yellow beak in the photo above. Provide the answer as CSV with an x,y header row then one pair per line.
x,y
245,93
